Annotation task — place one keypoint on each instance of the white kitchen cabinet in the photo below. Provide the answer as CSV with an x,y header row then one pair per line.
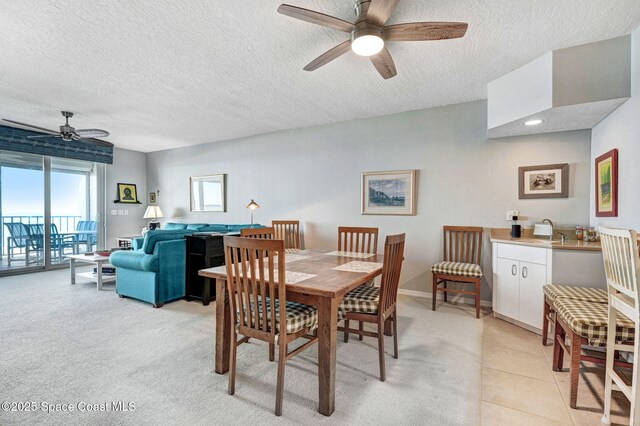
x,y
519,273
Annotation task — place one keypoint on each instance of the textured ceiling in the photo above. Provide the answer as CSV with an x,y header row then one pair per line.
x,y
160,74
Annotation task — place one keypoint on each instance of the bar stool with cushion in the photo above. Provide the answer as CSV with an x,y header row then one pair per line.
x,y
462,257
584,323
289,231
622,269
375,305
258,303
552,292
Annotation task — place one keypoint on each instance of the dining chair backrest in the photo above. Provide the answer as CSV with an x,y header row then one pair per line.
x,y
463,244
358,239
289,231
392,266
621,261
260,233
255,278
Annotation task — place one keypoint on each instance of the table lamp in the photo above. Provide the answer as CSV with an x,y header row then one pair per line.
x,y
153,213
252,206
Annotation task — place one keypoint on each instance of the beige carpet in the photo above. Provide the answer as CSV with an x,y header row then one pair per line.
x,y
64,344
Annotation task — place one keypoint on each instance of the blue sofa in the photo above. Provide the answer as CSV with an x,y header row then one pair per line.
x,y
154,271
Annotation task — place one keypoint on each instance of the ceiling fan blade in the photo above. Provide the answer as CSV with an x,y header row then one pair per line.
x,y
32,126
315,18
380,11
44,136
329,56
418,31
384,64
92,133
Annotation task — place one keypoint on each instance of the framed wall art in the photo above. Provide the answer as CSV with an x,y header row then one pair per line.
x,y
389,193
606,169
208,193
127,193
546,181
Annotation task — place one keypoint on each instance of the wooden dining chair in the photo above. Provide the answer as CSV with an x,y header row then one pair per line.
x,y
377,304
622,270
462,257
289,231
261,233
259,306
358,239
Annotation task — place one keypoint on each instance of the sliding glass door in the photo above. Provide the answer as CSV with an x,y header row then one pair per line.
x,y
49,210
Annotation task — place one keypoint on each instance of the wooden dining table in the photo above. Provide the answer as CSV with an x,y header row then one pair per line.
x,y
324,288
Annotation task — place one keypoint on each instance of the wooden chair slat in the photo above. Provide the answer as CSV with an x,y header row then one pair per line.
x,y
358,239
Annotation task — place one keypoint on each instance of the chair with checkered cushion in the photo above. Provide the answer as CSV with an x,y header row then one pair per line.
x,y
552,292
461,263
255,278
377,304
622,269
358,239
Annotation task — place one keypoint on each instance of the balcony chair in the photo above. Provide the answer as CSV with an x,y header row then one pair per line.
x,y
59,242
21,239
377,304
269,316
90,238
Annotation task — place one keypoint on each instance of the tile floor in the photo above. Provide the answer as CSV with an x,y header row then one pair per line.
x,y
520,388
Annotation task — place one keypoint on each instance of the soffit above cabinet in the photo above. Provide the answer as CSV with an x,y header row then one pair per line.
x,y
569,89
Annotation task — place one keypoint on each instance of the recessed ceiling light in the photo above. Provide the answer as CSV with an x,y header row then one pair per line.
x,y
533,122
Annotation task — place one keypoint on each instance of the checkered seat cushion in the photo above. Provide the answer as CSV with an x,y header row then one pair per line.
x,y
363,299
589,320
457,268
584,294
299,316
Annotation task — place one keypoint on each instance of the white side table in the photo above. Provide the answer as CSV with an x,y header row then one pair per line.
x,y
95,260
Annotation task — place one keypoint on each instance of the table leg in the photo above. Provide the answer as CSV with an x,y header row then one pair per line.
x,y
327,335
72,268
223,330
99,274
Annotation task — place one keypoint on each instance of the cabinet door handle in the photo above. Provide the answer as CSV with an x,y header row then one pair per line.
x,y
514,270
525,272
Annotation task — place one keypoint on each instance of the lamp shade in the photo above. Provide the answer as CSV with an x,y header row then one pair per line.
x,y
253,205
153,212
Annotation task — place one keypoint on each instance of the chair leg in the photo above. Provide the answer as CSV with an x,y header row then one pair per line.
x,y
558,352
282,355
545,321
346,333
272,351
361,328
232,363
478,299
395,334
444,293
575,368
383,373
435,292
608,380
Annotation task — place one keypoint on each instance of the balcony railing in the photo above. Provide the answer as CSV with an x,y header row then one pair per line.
x,y
63,223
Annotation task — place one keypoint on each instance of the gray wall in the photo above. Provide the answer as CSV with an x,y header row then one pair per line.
x,y
621,129
128,167
313,174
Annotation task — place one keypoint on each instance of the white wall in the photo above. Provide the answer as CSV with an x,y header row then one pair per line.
x,y
621,129
313,174
128,167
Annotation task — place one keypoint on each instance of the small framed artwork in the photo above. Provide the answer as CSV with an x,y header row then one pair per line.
x,y
389,193
547,181
127,193
607,184
207,193
152,198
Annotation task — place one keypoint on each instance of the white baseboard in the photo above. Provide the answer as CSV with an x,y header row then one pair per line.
x,y
454,299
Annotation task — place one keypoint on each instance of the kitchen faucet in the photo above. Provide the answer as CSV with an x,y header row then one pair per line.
x,y
551,225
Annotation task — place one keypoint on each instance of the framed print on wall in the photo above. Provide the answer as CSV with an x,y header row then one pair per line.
x,y
546,181
207,193
606,169
389,193
127,193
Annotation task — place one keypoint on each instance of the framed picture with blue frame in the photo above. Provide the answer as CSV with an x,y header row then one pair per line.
x,y
389,193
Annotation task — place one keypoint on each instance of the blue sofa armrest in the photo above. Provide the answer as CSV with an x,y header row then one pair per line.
x,y
135,260
172,268
136,243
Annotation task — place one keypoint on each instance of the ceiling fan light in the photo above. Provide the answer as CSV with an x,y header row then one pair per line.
x,y
367,45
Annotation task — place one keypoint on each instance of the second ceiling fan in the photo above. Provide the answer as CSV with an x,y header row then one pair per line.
x,y
369,33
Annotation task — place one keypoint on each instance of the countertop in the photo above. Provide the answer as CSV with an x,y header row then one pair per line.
x,y
502,235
